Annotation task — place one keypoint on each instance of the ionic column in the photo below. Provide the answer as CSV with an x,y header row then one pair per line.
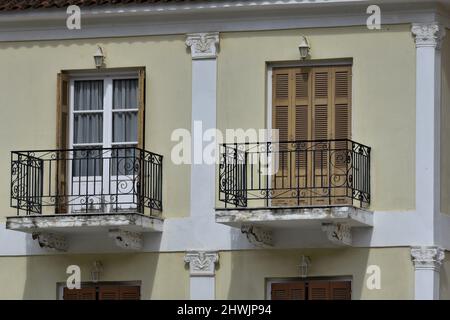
x,y
202,274
427,263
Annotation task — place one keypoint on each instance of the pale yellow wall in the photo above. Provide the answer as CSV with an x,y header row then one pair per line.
x,y
383,93
163,275
445,125
242,274
28,95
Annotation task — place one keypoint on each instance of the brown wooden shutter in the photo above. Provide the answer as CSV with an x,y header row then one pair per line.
x,y
288,291
79,294
109,293
141,112
341,129
62,137
130,292
340,290
319,290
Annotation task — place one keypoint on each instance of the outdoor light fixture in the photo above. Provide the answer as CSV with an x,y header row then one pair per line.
x,y
305,262
304,47
97,268
99,57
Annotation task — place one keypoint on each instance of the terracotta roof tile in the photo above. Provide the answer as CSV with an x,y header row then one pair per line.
x,y
18,5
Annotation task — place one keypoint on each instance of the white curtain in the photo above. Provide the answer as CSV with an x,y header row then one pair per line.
x,y
88,127
125,96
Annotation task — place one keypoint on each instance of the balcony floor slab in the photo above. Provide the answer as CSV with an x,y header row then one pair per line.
x,y
288,217
84,223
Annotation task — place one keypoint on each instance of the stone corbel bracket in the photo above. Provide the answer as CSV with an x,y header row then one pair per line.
x,y
258,236
203,45
338,233
127,239
51,241
201,263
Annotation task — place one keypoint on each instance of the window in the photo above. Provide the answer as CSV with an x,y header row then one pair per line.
x,y
311,108
311,290
101,123
103,292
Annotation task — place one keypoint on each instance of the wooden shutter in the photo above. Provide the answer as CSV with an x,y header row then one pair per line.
x,y
288,291
109,293
62,137
319,290
141,112
119,293
130,292
88,293
341,108
340,290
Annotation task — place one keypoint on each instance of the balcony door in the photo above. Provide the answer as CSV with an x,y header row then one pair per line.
x,y
311,290
105,125
311,108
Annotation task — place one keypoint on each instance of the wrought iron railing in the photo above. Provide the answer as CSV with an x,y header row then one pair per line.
x,y
295,174
86,180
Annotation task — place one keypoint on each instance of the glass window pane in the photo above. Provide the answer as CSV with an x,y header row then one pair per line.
x,y
125,94
88,95
88,128
124,126
87,162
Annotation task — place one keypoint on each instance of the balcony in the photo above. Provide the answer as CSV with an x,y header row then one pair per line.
x,y
82,190
303,184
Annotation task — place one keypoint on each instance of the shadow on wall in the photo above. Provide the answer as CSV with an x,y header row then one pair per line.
x,y
44,272
248,271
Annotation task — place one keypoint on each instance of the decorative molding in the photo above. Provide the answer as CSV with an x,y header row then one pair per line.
x,y
127,239
427,258
338,233
258,236
203,45
428,34
51,241
201,263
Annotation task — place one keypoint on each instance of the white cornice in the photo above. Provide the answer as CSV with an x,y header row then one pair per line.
x,y
218,16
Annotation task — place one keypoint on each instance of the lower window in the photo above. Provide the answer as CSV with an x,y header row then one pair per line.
x,y
103,292
311,290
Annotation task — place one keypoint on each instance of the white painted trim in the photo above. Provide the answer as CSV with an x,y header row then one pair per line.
x,y
98,24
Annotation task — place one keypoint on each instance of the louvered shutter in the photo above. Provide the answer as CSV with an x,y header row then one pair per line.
x,y
302,131
62,136
321,106
340,290
109,293
88,293
282,84
341,108
141,112
130,292
288,291
319,290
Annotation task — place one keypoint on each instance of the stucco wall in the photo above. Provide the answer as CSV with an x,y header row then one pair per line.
x,y
163,276
445,125
383,93
242,274
444,286
28,99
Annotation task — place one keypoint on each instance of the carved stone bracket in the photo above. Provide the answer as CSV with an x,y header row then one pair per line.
x,y
427,258
203,45
201,263
428,34
338,233
258,236
127,239
51,241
